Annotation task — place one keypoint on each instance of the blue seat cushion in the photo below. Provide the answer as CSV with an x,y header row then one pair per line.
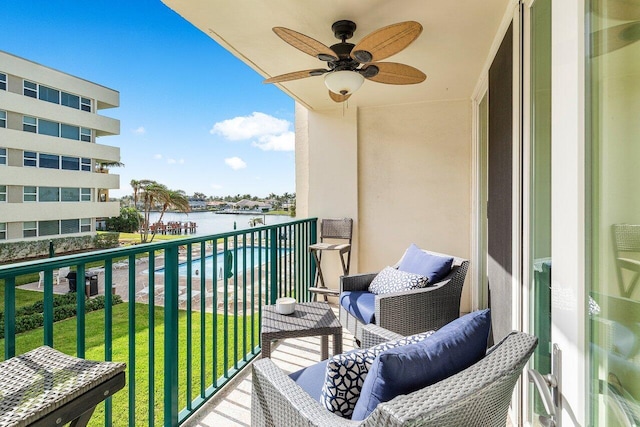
x,y
402,370
433,267
361,304
311,378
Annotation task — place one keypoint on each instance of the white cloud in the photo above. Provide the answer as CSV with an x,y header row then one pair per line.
x,y
235,163
255,125
157,156
181,161
171,161
216,186
282,142
140,131
269,132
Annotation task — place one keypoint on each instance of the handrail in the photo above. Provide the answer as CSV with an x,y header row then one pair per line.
x,y
208,329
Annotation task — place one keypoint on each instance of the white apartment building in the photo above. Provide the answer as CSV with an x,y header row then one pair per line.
x,y
51,182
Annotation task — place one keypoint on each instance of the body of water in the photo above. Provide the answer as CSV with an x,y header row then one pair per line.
x,y
212,223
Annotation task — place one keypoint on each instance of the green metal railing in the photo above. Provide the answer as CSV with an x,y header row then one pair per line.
x,y
192,320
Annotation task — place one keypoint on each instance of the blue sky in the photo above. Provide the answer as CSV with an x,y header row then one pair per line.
x,y
192,116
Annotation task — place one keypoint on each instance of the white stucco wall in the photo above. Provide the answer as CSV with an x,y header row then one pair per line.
x,y
415,182
403,173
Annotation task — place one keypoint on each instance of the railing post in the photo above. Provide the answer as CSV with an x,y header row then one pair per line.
x,y
273,270
9,317
312,264
48,308
80,311
171,336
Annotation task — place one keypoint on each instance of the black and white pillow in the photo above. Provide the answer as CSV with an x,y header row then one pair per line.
x,y
392,280
346,373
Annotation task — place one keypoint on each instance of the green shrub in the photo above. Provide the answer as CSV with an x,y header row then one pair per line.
x,y
107,240
64,306
14,251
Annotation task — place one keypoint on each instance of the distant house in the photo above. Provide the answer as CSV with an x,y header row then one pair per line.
x,y
197,204
253,205
216,205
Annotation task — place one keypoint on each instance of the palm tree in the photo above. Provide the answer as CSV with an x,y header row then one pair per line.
x,y
154,195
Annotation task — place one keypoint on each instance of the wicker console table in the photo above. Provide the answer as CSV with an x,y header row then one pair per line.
x,y
47,388
309,319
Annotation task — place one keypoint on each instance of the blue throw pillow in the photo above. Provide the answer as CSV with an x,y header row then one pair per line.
x,y
345,374
403,370
433,267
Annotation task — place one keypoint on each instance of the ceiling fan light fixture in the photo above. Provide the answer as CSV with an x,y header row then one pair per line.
x,y
343,82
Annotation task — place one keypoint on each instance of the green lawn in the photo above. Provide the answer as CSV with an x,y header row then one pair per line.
x,y
23,297
65,341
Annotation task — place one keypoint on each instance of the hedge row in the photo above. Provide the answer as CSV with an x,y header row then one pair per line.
x,y
26,249
64,306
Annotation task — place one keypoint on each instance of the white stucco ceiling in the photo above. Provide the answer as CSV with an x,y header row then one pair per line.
x,y
451,50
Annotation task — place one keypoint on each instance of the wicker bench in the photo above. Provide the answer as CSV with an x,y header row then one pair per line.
x,y
47,388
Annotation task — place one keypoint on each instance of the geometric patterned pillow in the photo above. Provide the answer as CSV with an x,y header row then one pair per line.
x,y
392,280
346,373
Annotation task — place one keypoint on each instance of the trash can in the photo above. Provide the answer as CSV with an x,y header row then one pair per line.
x,y
90,283
71,277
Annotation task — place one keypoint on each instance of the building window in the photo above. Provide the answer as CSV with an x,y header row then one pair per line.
x,y
3,119
70,194
85,165
85,134
48,194
45,127
69,132
29,194
30,89
3,193
48,94
68,226
49,161
30,159
3,156
86,195
85,224
3,231
48,228
70,163
3,81
29,229
29,124
86,104
70,100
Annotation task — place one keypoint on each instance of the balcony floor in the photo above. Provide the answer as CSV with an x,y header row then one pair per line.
x,y
233,406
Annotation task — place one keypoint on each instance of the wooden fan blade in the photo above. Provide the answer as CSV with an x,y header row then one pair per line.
x,y
614,38
397,74
386,41
306,44
291,76
337,97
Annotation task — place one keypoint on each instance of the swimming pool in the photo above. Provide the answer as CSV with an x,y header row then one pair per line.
x,y
260,257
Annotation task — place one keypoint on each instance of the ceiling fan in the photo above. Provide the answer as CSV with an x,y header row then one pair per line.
x,y
349,64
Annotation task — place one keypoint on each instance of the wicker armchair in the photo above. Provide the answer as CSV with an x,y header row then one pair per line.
x,y
410,312
477,396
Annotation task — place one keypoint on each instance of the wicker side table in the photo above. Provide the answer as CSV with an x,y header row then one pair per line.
x,y
309,319
47,388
